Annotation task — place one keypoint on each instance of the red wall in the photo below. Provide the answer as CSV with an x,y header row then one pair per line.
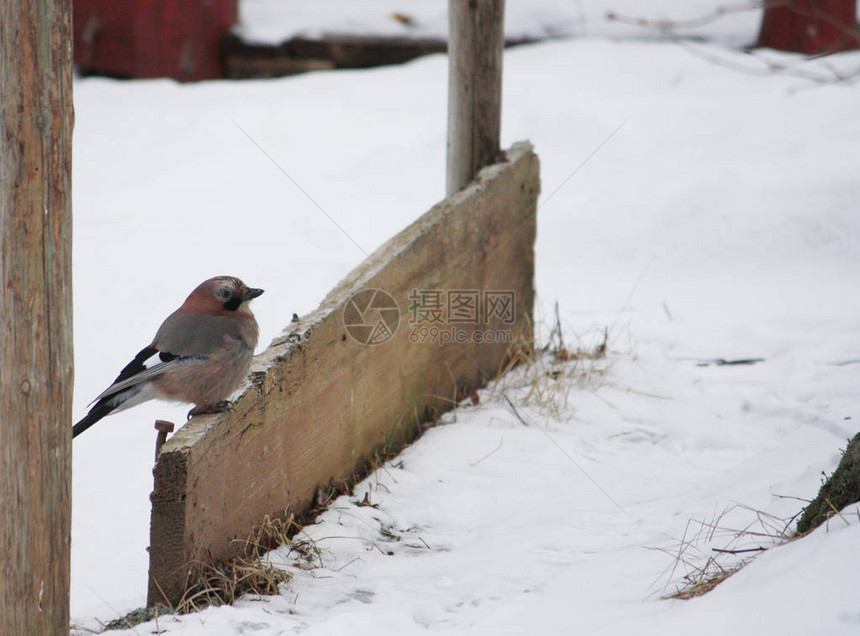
x,y
811,26
152,38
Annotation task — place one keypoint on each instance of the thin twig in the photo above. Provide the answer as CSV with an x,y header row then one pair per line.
x,y
492,452
721,551
514,409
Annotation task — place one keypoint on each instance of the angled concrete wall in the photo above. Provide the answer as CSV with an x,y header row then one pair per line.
x,y
319,402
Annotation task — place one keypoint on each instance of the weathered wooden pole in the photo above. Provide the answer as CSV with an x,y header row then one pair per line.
x,y
36,368
476,40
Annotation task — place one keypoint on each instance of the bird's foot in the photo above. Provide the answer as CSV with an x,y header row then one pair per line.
x,y
223,406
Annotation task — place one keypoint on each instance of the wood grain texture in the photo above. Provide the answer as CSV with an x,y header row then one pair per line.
x,y
36,370
318,403
475,51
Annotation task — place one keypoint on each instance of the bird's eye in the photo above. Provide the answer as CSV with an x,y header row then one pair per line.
x,y
224,293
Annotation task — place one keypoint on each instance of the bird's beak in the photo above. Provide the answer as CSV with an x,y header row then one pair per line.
x,y
251,294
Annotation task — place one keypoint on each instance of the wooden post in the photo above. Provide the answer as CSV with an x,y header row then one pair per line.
x,y
36,367
476,42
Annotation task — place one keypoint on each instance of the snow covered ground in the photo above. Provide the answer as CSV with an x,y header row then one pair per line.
x,y
720,221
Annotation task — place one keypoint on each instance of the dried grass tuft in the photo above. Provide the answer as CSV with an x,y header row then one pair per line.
x,y
222,582
545,378
698,566
705,584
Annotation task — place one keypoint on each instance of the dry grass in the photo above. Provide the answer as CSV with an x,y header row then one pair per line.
x,y
247,573
546,378
223,582
712,551
702,585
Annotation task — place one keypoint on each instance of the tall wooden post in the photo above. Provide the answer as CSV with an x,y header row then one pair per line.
x,y
476,39
36,369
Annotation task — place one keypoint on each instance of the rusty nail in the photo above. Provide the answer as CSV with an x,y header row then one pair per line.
x,y
163,427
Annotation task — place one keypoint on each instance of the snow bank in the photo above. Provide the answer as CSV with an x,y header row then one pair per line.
x,y
275,21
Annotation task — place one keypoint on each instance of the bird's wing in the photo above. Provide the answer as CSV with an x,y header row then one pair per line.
x,y
137,365
136,371
194,333
142,376
183,336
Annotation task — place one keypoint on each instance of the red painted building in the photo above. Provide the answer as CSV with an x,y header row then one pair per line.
x,y
814,27
181,39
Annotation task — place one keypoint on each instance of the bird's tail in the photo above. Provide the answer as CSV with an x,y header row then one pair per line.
x,y
96,413
113,403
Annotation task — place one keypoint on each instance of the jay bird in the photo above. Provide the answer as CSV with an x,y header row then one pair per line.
x,y
204,351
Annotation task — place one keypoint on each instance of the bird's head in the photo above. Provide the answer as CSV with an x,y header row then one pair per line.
x,y
222,294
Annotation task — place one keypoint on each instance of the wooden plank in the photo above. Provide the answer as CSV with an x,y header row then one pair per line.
x,y
475,50
319,402
36,367
248,60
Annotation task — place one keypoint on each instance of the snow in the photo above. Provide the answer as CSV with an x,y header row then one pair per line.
x,y
718,222
271,22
